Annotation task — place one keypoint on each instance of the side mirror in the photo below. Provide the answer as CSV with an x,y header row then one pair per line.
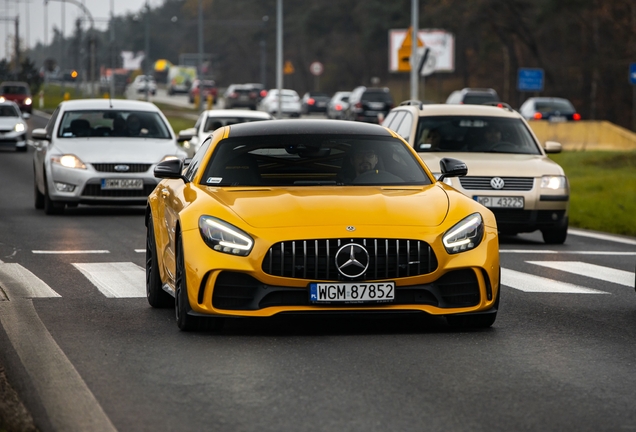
x,y
26,115
40,134
452,168
170,169
186,134
552,147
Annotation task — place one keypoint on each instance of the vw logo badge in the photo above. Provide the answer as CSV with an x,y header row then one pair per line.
x,y
497,183
121,168
352,260
351,228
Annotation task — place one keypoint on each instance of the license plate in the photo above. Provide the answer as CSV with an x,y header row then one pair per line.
x,y
122,184
500,202
352,292
557,119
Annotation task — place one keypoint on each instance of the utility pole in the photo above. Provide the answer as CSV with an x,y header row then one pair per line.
x,y
200,60
112,49
279,55
414,22
147,48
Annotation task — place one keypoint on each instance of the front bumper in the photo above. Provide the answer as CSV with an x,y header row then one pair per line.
x,y
223,285
86,185
12,140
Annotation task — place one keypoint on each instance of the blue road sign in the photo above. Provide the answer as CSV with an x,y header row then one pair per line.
x,y
632,73
530,80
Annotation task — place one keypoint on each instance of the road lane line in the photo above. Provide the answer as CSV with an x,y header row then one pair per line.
x,y
140,250
531,251
120,280
530,283
607,274
69,252
601,236
18,282
67,400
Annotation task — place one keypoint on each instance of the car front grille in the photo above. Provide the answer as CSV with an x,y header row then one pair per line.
x,y
96,191
132,167
510,183
315,259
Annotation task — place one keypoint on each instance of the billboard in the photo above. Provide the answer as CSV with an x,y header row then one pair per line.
x,y
440,42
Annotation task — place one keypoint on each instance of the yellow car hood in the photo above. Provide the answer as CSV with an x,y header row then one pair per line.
x,y
498,164
327,206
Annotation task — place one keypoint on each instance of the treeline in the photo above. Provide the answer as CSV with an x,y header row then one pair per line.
x,y
584,46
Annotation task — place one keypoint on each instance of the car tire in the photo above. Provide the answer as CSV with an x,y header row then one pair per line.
x,y
187,322
37,195
157,297
556,235
51,207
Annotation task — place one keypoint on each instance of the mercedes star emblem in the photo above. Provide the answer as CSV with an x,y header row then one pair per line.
x,y
352,260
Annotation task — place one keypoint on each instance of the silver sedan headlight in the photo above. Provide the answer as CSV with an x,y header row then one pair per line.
x,y
554,182
465,235
223,237
68,161
19,127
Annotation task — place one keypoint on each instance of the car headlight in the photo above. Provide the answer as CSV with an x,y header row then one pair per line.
x,y
223,237
68,161
19,127
28,101
553,182
465,235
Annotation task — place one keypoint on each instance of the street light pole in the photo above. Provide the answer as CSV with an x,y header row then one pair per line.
x,y
414,62
112,49
200,63
279,55
147,48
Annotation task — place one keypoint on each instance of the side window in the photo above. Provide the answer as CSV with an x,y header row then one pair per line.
x,y
51,124
196,160
404,130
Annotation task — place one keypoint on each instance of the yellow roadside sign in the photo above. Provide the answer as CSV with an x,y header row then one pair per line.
x,y
404,52
289,68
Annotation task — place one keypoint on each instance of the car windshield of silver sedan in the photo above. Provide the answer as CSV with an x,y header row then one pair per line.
x,y
8,111
112,123
472,134
213,123
313,160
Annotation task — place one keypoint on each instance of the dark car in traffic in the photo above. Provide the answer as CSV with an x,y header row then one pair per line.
x,y
473,96
241,96
369,104
315,102
549,108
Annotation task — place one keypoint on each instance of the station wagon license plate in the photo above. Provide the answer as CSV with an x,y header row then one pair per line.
x,y
122,184
352,292
500,202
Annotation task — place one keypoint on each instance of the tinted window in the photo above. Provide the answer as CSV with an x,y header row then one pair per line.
x,y
213,123
472,134
13,89
554,105
112,123
196,160
478,99
8,111
313,160
377,97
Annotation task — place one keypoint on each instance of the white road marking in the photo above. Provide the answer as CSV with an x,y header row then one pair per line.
x,y
67,400
120,280
69,252
140,250
530,283
18,282
531,251
620,277
601,236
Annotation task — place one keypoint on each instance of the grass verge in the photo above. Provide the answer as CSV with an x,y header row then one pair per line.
x,y
602,189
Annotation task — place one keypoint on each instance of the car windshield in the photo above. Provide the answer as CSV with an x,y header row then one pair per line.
x,y
213,123
473,134
113,123
8,111
479,99
554,105
16,90
313,160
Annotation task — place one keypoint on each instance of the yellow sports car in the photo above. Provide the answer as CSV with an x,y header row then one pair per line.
x,y
311,216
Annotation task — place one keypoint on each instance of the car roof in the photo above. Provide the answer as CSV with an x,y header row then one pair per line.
x,y
452,109
15,83
547,99
237,113
88,104
9,102
316,126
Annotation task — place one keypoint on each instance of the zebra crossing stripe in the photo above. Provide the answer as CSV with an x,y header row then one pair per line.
x,y
116,280
530,283
18,282
620,277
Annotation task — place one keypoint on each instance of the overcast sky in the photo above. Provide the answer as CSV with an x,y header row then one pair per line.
x,y
31,14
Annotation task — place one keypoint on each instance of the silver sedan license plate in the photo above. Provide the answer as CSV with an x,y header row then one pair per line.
x,y
500,202
122,184
352,292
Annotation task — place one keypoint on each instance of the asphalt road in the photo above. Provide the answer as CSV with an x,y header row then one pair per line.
x,y
84,350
